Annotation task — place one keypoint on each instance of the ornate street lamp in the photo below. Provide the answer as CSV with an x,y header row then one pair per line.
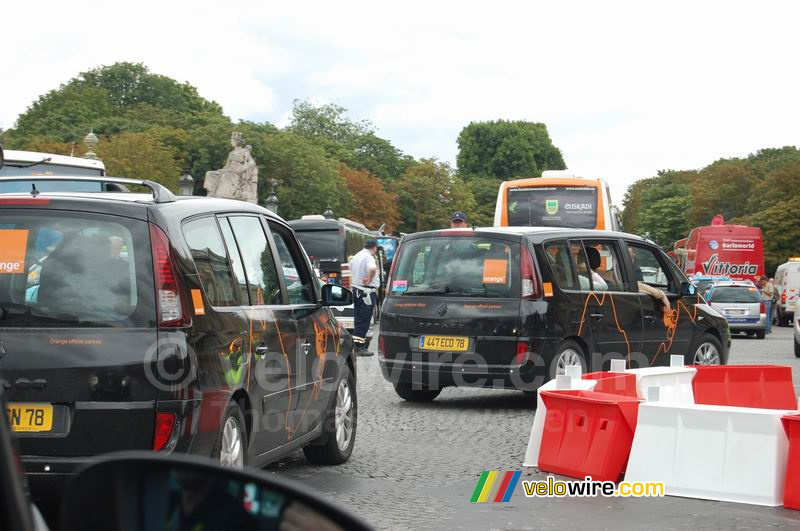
x,y
328,214
91,141
186,186
272,200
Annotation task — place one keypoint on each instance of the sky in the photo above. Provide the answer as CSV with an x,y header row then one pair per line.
x,y
625,88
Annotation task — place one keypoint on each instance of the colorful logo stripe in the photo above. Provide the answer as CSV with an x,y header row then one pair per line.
x,y
495,486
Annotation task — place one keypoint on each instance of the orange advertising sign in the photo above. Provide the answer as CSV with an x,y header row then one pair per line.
x,y
13,245
494,271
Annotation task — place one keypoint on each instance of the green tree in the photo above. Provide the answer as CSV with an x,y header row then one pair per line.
x,y
723,187
505,150
309,179
139,156
428,193
780,226
371,205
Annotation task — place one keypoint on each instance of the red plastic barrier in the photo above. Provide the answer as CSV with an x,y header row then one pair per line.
x,y
615,383
791,491
587,434
761,386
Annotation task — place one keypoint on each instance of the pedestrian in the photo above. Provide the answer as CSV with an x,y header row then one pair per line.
x,y
767,295
458,220
365,282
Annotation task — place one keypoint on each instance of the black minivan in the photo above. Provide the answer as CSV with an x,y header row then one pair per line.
x,y
135,321
512,307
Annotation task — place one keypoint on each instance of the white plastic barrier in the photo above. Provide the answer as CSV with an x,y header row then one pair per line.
x,y
674,383
535,441
712,452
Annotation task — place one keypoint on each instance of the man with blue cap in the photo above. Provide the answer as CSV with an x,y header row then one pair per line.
x,y
458,220
365,282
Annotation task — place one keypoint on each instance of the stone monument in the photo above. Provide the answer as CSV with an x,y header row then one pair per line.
x,y
238,179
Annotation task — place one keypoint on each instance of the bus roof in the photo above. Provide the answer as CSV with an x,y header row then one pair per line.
x,y
13,156
553,181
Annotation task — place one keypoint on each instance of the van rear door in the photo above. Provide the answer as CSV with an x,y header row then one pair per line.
x,y
455,298
77,321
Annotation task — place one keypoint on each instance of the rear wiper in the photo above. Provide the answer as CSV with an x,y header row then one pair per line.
x,y
437,291
46,159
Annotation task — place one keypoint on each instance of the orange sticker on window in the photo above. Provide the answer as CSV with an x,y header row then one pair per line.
x,y
13,246
197,301
548,289
494,271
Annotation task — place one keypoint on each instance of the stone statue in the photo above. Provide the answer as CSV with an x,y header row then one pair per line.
x,y
238,179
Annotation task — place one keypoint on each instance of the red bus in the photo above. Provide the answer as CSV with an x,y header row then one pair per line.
x,y
735,251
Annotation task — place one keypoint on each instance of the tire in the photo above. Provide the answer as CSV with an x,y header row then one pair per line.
x,y
231,428
703,351
783,320
761,334
338,438
568,353
406,391
796,348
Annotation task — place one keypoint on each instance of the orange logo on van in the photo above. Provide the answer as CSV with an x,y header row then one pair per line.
x,y
494,271
13,246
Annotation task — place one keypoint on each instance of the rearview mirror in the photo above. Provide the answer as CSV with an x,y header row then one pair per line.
x,y
688,289
146,491
335,295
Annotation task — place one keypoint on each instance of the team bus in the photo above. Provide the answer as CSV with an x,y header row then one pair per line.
x,y
556,199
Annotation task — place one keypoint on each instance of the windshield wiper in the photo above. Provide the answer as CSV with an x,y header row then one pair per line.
x,y
46,159
437,291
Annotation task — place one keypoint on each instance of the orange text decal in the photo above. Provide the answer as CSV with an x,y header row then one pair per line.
x,y
13,245
494,271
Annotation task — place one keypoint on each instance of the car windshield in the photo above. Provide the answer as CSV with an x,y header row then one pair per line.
x,y
321,244
553,206
458,266
736,294
60,269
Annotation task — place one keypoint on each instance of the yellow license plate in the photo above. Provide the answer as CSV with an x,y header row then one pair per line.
x,y
30,417
449,343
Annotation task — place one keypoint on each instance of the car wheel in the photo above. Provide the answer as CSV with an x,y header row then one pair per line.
x,y
406,391
708,351
761,334
338,437
796,348
569,353
231,444
782,319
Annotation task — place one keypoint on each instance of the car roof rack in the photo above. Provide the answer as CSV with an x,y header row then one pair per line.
x,y
161,194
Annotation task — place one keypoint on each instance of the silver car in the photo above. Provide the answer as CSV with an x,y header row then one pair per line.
x,y
740,303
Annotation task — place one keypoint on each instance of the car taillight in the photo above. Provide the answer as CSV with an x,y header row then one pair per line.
x,y
345,279
522,353
26,201
165,423
381,346
530,282
171,312
762,307
783,298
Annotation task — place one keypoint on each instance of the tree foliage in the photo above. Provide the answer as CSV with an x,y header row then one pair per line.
x,y
139,156
372,205
429,192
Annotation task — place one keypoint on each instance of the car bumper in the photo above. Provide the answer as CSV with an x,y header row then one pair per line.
x,y
438,375
748,324
47,476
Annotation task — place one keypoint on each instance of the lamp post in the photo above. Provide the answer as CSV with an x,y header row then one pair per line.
x,y
272,200
91,141
186,186
328,214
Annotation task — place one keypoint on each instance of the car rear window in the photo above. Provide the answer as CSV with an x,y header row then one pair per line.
x,y
740,294
74,270
458,266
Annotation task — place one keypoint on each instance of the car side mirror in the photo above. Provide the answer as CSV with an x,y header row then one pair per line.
x,y
688,289
148,491
335,295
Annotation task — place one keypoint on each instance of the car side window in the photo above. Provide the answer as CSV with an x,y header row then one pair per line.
x,y
581,265
211,261
298,280
561,264
259,264
605,265
236,260
649,268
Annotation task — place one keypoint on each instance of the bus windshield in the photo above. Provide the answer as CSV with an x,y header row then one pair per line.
x,y
553,206
321,244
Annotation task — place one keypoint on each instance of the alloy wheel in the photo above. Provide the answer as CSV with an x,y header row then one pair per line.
x,y
343,415
231,453
706,354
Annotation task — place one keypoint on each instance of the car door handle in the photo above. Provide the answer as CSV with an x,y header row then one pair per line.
x,y
596,316
650,318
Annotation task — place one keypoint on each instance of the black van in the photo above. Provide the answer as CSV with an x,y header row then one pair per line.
x,y
144,322
330,244
512,307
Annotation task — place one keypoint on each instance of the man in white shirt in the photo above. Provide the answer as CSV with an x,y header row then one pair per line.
x,y
365,280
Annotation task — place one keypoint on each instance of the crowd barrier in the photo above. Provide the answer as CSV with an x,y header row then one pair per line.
x,y
791,493
758,386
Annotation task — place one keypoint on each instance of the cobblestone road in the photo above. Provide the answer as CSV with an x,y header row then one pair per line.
x,y
415,465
